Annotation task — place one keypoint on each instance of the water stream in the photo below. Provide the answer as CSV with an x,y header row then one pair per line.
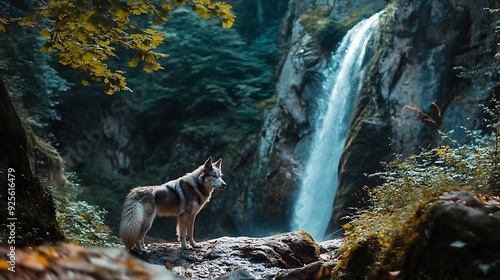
x,y
313,207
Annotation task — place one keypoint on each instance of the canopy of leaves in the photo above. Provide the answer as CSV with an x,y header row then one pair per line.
x,y
84,34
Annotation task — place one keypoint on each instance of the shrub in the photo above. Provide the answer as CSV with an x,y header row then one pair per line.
x,y
80,222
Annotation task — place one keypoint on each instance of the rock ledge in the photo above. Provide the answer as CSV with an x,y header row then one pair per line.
x,y
283,255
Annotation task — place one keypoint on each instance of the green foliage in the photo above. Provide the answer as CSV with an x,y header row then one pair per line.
x,y
80,222
34,85
84,35
228,74
411,183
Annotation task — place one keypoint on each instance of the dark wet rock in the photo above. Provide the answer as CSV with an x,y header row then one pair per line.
x,y
317,270
455,236
245,257
458,240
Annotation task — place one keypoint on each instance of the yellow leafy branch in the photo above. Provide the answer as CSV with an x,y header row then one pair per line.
x,y
84,34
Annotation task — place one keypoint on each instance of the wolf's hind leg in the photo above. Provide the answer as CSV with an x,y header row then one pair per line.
x,y
146,225
181,229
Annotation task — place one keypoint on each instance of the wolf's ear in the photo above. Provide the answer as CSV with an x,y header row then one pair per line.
x,y
208,164
218,163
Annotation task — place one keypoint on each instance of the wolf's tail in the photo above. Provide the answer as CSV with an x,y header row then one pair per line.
x,y
131,222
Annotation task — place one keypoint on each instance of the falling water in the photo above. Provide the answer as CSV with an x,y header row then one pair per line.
x,y
315,201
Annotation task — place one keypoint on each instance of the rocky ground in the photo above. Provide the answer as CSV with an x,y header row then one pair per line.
x,y
460,225
293,255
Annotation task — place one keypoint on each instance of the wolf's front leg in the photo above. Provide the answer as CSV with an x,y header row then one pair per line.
x,y
140,247
181,229
190,232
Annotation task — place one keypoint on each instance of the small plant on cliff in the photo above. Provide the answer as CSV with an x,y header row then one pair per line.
x,y
316,19
384,229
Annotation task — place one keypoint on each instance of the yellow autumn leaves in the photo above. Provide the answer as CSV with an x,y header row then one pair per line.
x,y
84,36
223,10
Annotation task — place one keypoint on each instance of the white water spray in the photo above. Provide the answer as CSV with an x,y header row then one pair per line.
x,y
313,207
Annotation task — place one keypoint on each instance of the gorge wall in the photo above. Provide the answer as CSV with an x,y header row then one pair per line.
x,y
420,50
422,47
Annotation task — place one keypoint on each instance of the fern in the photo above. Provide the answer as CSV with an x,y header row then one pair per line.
x,y
80,222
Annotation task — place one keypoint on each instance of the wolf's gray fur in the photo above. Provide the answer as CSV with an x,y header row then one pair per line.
x,y
183,198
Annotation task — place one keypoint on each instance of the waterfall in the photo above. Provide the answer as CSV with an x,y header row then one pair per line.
x,y
314,204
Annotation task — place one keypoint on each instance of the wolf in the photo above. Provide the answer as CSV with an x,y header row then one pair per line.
x,y
183,198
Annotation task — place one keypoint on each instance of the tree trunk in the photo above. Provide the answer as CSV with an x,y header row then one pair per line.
x,y
27,210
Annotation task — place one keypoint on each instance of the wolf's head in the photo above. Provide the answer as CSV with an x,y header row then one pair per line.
x,y
212,174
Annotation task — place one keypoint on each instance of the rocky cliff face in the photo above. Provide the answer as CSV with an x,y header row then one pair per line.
x,y
286,134
420,45
414,91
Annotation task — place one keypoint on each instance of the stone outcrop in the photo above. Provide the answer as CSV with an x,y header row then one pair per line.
x,y
454,236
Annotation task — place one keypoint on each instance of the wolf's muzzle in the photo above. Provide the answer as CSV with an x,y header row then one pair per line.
x,y
222,185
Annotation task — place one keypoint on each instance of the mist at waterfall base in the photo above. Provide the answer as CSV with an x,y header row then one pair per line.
x,y
313,208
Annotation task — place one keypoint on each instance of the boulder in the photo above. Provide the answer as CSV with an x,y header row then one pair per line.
x,y
458,240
